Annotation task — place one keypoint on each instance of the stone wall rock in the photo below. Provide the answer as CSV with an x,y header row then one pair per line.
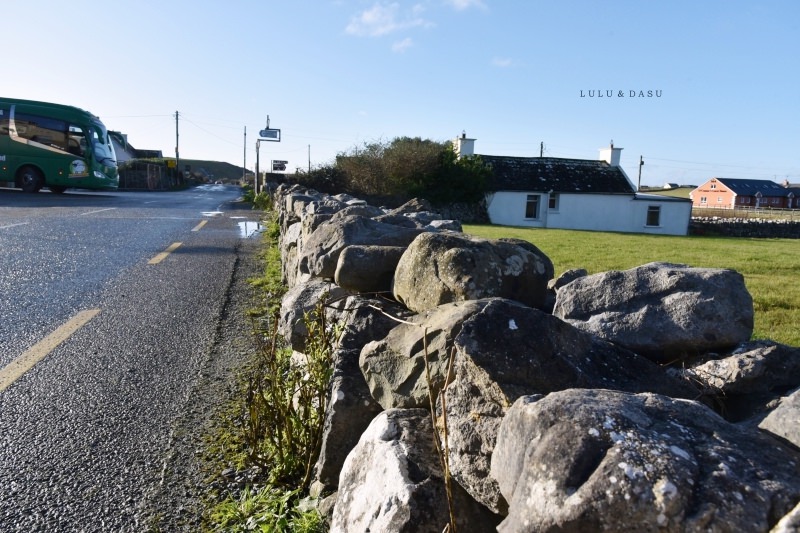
x,y
598,460
364,268
661,310
439,268
393,481
509,350
320,252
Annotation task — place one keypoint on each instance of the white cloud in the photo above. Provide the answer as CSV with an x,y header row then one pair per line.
x,y
402,46
385,18
461,5
502,62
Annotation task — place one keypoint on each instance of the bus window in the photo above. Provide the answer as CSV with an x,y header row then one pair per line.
x,y
3,122
77,140
43,130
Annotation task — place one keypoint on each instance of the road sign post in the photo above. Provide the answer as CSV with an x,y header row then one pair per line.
x,y
268,135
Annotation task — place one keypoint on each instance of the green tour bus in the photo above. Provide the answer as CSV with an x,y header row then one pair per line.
x,y
54,146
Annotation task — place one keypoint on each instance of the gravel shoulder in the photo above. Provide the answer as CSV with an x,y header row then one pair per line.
x,y
176,504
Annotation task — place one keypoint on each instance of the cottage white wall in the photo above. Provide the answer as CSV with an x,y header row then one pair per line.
x,y
595,212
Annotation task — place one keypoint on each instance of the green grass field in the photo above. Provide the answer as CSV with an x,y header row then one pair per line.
x,y
770,266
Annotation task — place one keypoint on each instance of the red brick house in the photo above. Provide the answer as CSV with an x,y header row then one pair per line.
x,y
724,193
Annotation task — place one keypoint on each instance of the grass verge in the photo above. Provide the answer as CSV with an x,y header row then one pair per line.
x,y
261,454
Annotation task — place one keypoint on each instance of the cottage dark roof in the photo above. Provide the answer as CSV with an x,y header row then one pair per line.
x,y
555,174
744,187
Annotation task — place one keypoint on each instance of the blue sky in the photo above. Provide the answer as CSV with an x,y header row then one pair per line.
x,y
333,75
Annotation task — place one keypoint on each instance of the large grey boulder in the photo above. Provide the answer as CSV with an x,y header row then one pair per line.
x,y
349,411
320,252
508,350
392,481
368,211
445,225
303,299
661,310
568,276
295,203
363,268
364,320
395,366
439,268
758,366
784,420
289,244
350,407
745,382
599,460
415,205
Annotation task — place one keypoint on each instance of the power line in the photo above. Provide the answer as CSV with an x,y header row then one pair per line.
x,y
138,116
209,132
707,164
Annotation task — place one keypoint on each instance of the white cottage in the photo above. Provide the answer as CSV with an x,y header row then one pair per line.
x,y
550,192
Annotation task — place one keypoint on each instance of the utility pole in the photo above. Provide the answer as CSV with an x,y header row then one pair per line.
x,y
541,149
244,164
309,159
177,156
641,164
258,170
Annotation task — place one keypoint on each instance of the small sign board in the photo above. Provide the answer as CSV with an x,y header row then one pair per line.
x,y
270,134
279,166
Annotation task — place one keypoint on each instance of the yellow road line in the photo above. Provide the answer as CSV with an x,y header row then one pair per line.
x,y
163,255
11,372
200,225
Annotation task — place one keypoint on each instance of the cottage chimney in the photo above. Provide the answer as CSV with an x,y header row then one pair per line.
x,y
611,155
464,146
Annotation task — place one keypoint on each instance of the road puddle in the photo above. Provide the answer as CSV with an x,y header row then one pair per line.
x,y
249,228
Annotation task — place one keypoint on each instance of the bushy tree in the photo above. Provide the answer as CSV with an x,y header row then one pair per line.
x,y
411,166
455,179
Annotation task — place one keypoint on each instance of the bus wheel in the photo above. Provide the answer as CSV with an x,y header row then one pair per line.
x,y
57,189
30,179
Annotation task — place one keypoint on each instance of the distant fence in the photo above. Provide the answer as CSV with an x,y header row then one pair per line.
x,y
762,213
140,175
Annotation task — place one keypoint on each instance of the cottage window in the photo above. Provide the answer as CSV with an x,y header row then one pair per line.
x,y
719,199
713,185
704,199
653,215
532,206
553,202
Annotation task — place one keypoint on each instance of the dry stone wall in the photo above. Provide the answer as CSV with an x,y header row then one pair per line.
x,y
628,400
745,227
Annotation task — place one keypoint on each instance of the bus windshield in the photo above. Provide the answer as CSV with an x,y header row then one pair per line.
x,y
101,145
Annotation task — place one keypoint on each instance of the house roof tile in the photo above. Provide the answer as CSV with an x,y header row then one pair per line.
x,y
747,187
556,175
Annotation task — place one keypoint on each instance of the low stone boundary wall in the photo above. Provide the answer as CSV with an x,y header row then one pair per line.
x,y
744,227
623,400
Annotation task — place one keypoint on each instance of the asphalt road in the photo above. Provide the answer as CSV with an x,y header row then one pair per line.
x,y
106,323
